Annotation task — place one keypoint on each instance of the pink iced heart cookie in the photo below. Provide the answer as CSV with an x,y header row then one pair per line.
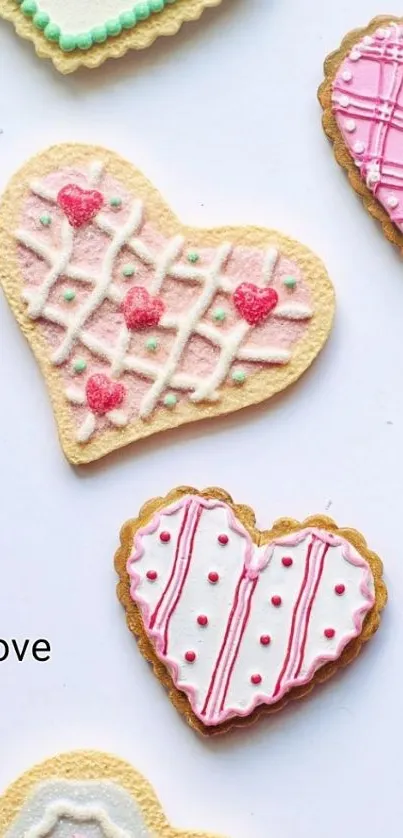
x,y
141,310
242,619
79,205
254,304
362,98
109,286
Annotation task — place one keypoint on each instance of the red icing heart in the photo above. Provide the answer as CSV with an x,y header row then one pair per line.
x,y
103,394
254,304
79,205
140,309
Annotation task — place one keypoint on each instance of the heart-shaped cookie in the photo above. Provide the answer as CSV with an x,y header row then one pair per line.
x,y
237,621
362,99
116,286
84,794
75,33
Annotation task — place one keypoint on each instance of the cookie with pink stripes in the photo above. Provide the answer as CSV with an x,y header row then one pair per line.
x,y
362,99
142,324
237,621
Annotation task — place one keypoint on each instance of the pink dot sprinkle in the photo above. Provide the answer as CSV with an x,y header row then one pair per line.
x,y
276,601
190,657
265,639
213,577
256,679
287,561
339,589
152,575
223,539
165,537
329,633
202,620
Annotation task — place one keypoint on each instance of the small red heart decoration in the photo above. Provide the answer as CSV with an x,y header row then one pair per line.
x,y
140,309
79,205
103,394
254,304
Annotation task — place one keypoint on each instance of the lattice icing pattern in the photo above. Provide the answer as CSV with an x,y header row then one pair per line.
x,y
368,104
138,322
237,624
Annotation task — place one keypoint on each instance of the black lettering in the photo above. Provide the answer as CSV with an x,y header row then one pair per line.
x,y
44,650
4,655
20,654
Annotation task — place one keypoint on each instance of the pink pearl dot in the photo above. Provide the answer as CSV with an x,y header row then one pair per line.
x,y
256,679
287,561
165,537
265,639
339,589
329,633
213,577
223,539
276,601
190,657
202,620
152,575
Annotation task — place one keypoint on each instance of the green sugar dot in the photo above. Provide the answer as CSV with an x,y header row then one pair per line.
x,y
193,256
142,11
29,7
46,219
79,365
113,27
115,202
52,32
69,295
170,400
67,43
84,41
156,5
290,282
99,34
152,344
41,20
219,314
128,19
128,270
238,376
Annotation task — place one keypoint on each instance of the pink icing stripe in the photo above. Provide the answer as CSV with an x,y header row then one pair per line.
x,y
313,575
184,567
246,609
297,614
319,574
167,592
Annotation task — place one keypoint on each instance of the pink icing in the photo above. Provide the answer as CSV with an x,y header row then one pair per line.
x,y
104,326
209,698
368,104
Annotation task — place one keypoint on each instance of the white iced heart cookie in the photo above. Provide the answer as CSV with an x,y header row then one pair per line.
x,y
84,794
235,620
139,323
73,33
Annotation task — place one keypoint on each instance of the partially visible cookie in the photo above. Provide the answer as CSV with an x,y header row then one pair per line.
x,y
76,33
236,621
362,99
140,323
84,794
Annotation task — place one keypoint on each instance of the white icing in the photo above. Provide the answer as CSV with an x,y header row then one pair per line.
x,y
392,201
350,125
75,16
93,809
298,646
347,75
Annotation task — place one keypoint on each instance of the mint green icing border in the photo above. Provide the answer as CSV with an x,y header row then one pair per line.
x,y
85,40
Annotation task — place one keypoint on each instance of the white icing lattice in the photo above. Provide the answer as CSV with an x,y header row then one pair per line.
x,y
164,264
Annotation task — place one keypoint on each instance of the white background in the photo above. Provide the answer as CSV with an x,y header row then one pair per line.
x,y
224,119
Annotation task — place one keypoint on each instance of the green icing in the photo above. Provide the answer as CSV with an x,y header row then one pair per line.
x,y
69,295
290,282
193,256
46,219
128,270
115,202
85,40
238,376
219,314
152,344
170,400
79,365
